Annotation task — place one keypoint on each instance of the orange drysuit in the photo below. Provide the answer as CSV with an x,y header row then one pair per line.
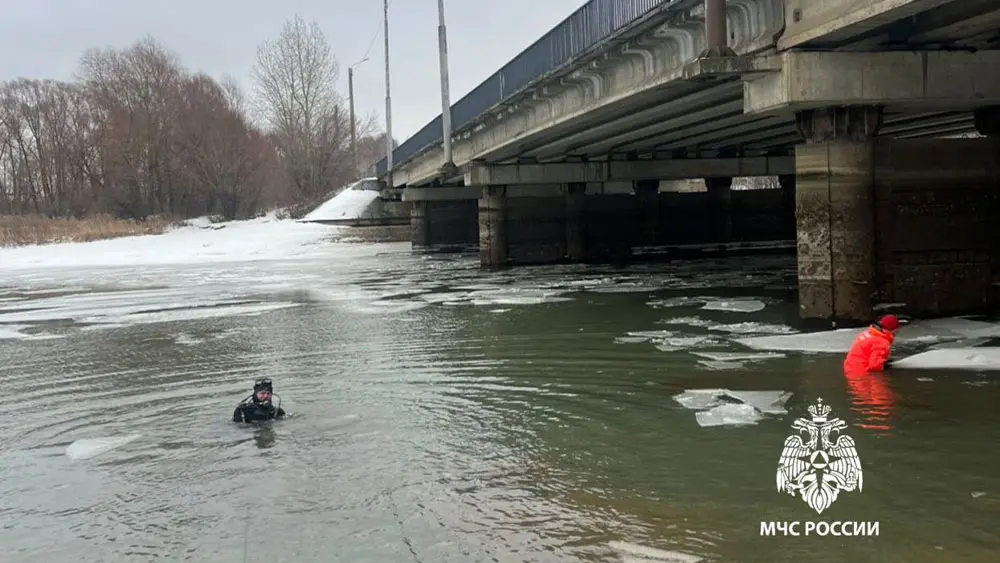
x,y
869,351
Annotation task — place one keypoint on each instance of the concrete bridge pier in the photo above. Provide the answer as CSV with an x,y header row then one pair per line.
x,y
648,201
533,224
493,226
720,207
576,221
440,221
884,220
835,212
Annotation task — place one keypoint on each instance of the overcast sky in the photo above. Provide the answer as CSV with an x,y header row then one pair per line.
x,y
44,39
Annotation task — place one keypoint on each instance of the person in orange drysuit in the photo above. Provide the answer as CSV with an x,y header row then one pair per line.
x,y
871,348
871,395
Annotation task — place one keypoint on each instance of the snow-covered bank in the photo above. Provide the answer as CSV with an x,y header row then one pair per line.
x,y
198,241
353,202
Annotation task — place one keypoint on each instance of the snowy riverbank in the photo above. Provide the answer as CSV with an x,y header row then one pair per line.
x,y
197,241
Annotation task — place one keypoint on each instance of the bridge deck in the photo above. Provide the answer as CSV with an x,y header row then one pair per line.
x,y
707,116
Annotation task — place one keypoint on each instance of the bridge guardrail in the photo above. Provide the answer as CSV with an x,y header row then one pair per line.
x,y
588,26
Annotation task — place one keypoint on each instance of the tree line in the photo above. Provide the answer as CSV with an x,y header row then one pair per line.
x,y
136,134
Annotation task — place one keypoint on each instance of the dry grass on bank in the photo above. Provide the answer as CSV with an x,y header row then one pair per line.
x,y
20,230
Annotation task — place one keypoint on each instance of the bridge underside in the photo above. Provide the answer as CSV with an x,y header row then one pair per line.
x,y
880,201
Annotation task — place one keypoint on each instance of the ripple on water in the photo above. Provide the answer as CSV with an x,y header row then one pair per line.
x,y
547,434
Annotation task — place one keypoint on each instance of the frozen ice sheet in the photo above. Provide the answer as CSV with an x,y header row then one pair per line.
x,y
87,448
735,305
737,356
985,358
729,414
768,401
839,341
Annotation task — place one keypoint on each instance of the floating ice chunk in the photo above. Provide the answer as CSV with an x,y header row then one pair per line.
x,y
925,379
648,334
16,332
737,356
499,310
625,288
831,341
752,328
964,343
768,402
984,358
729,414
441,297
640,553
390,306
682,301
735,306
630,339
718,365
742,328
683,343
187,339
839,341
516,296
699,399
92,447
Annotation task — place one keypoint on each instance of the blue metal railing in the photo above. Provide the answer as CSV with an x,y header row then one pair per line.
x,y
589,25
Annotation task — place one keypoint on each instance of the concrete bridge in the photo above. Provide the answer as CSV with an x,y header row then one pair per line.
x,y
573,150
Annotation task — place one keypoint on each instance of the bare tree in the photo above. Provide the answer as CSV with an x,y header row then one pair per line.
x,y
138,135
295,84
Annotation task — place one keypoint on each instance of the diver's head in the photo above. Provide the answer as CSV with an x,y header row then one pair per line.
x,y
262,390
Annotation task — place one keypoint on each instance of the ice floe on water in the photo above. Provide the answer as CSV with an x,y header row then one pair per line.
x,y
715,303
839,341
986,358
635,553
737,356
679,343
87,448
667,340
735,305
748,327
728,407
729,414
18,332
731,360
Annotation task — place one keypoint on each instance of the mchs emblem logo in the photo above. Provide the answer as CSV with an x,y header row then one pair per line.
x,y
819,463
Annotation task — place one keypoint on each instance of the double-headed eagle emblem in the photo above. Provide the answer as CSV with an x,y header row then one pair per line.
x,y
819,468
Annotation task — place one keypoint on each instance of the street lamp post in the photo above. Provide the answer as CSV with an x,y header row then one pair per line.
x,y
388,103
354,129
448,166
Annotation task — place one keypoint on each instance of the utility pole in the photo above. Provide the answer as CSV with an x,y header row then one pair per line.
x,y
388,103
448,166
354,127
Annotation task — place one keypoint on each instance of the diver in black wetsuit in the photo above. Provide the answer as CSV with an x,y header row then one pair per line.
x,y
257,407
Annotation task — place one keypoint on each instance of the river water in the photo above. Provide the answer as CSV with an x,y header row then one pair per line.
x,y
443,413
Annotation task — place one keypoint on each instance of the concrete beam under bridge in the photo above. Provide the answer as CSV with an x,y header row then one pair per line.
x,y
452,193
919,80
479,174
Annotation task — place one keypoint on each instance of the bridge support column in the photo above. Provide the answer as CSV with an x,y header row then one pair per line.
x,y
576,222
720,206
835,221
443,224
493,226
787,184
903,221
648,194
